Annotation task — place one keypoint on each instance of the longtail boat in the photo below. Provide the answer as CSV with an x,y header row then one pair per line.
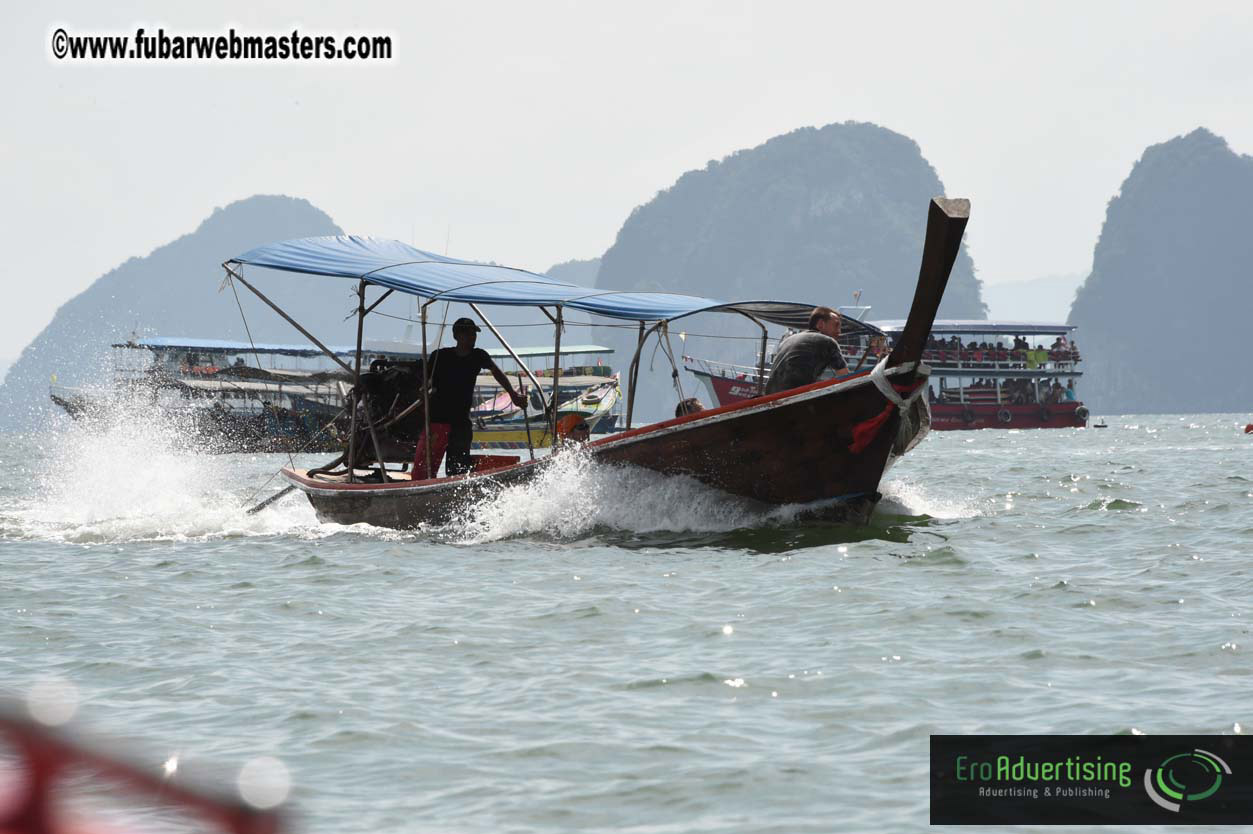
x,y
824,446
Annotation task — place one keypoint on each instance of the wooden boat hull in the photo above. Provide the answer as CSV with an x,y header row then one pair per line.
x,y
794,447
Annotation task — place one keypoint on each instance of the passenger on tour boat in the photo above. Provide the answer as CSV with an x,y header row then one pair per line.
x,y
803,357
987,354
454,371
689,406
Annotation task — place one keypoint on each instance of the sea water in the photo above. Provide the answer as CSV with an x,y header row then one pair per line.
x,y
612,650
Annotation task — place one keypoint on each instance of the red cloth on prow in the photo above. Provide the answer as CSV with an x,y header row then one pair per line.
x,y
867,430
439,445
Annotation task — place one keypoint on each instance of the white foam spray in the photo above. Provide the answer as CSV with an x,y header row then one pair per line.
x,y
132,474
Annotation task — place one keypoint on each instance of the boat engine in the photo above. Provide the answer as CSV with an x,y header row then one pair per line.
x,y
392,391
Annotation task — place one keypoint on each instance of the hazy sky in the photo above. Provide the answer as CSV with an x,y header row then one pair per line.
x,y
530,130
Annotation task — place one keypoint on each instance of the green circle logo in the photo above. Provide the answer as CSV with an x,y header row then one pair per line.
x,y
1185,777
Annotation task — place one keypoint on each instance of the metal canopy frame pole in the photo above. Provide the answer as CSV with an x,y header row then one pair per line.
x,y
761,365
552,434
356,385
426,396
633,376
526,418
235,275
369,420
378,301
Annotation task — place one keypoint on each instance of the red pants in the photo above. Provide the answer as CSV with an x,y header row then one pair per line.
x,y
439,444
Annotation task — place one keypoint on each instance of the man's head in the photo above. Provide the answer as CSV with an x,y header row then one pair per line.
x,y
465,331
826,321
580,432
691,405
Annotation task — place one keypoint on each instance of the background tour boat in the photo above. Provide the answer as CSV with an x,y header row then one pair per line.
x,y
984,374
227,396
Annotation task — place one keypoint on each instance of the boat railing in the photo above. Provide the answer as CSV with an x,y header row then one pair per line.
x,y
727,370
989,395
604,371
993,360
990,360
1002,355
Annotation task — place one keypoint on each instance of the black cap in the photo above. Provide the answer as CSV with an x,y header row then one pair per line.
x,y
465,324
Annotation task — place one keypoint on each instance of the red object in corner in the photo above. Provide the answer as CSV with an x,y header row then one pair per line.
x,y
44,757
439,445
1248,429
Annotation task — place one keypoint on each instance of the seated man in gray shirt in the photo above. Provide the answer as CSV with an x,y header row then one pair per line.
x,y
803,357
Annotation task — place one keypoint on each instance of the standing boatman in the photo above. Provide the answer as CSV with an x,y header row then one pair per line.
x,y
454,372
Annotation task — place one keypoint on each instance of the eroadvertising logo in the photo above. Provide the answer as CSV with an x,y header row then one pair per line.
x,y
1105,780
1193,776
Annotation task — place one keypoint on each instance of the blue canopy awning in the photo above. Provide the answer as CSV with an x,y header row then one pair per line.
x,y
398,266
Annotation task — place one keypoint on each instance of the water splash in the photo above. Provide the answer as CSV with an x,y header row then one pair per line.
x,y
132,474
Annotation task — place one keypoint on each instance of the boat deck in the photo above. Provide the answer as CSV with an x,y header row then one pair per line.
x,y
483,464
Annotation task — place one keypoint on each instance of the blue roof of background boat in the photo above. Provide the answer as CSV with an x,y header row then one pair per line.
x,y
398,266
402,349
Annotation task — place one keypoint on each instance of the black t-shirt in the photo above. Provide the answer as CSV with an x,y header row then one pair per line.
x,y
453,383
801,358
